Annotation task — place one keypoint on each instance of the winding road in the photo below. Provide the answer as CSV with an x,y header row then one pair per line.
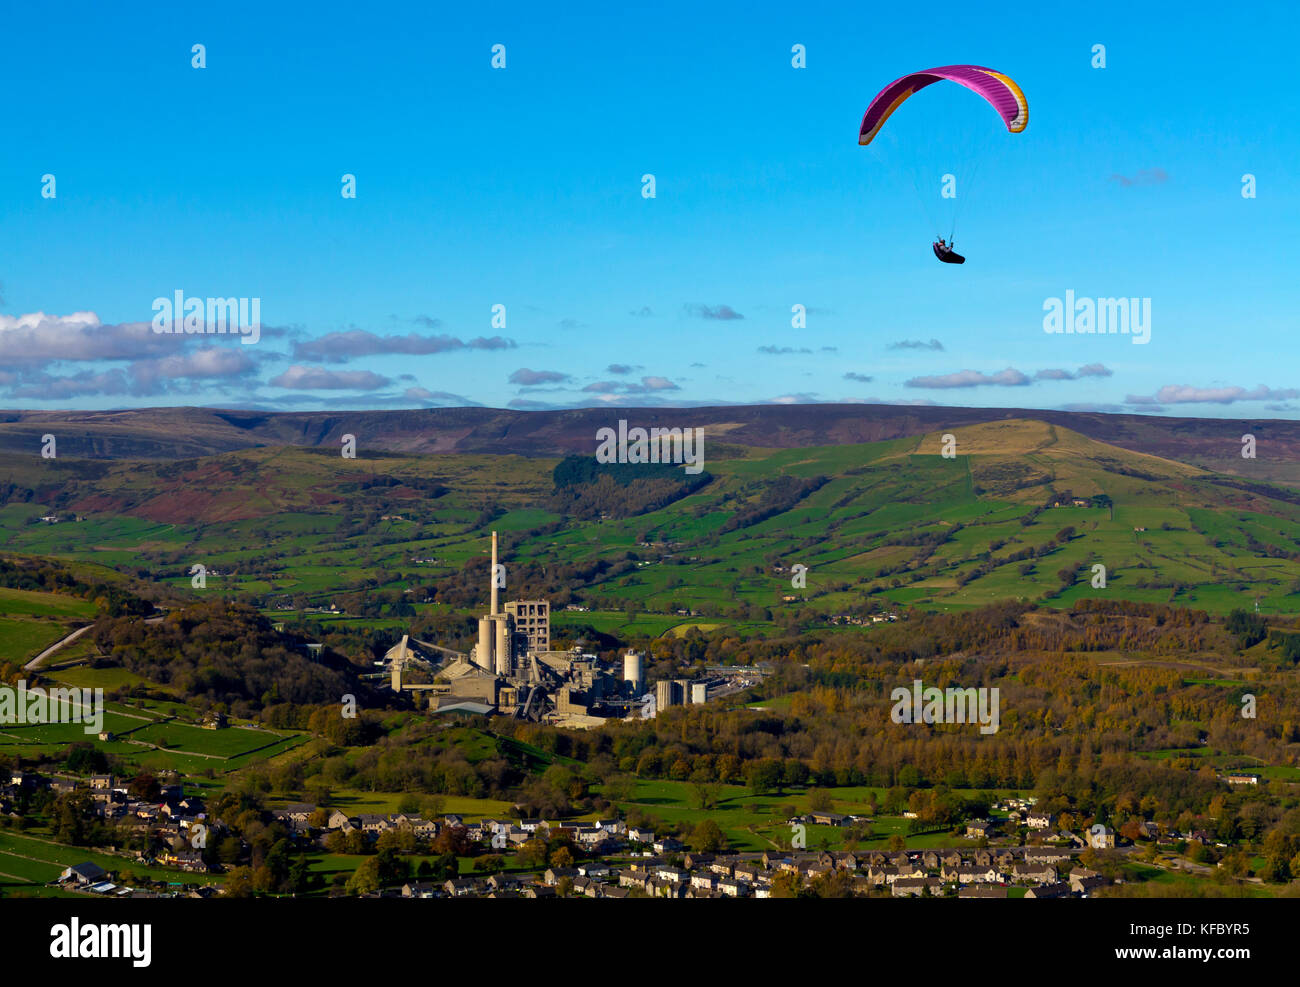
x,y
32,665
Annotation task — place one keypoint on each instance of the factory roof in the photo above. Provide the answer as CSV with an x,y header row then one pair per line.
x,y
466,707
458,668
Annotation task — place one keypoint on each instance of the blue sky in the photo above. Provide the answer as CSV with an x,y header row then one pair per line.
x,y
522,187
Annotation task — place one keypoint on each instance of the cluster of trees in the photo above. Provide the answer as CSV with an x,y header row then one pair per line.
x,y
410,488
1248,628
403,753
776,496
224,653
44,577
394,764
1287,644
1005,629
586,489
327,721
256,850
1064,714
387,868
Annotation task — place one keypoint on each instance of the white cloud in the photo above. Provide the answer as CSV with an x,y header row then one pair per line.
x,y
299,377
971,378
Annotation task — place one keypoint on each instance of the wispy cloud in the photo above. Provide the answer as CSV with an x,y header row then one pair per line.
x,y
1187,394
1147,176
303,378
915,344
444,399
971,378
648,385
86,383
525,377
1088,370
339,347
723,313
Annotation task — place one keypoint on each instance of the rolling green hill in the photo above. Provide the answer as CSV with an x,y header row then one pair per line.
x,y
890,523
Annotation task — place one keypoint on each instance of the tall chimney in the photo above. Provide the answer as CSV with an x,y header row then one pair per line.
x,y
494,574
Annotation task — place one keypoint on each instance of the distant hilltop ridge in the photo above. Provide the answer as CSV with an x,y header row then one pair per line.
x,y
185,433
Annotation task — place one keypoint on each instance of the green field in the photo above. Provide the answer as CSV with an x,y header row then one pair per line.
x,y
894,523
44,860
758,822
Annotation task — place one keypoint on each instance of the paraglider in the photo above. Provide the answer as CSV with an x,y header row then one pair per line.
x,y
946,254
998,90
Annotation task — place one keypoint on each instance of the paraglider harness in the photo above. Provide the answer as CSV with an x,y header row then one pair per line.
x,y
946,254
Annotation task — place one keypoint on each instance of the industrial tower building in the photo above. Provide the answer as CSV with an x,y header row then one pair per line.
x,y
506,639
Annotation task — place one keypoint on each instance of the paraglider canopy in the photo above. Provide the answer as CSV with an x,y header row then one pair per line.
x,y
999,90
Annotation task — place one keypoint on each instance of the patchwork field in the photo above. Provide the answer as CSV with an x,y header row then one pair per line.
x,y
887,523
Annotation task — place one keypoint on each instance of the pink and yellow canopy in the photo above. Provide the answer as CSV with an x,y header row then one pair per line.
x,y
1004,95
